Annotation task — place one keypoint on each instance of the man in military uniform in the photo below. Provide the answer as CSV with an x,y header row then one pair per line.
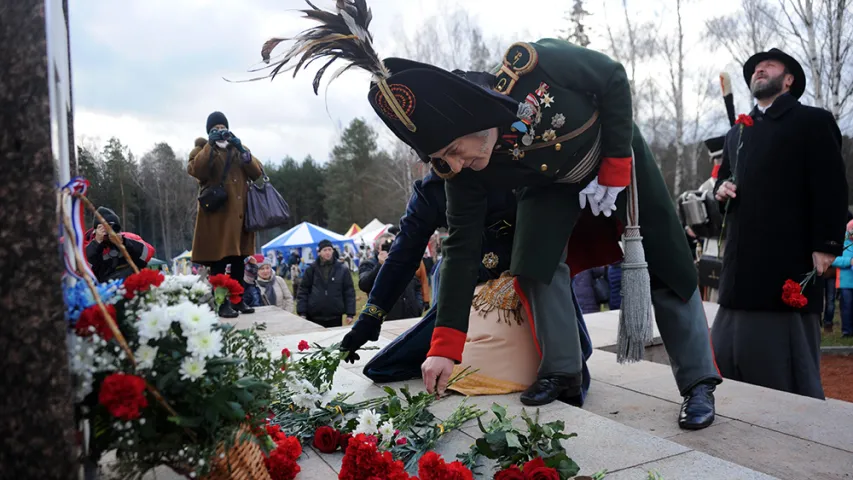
x,y
554,123
425,212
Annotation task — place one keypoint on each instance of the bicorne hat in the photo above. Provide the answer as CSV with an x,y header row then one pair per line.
x,y
715,146
794,67
423,105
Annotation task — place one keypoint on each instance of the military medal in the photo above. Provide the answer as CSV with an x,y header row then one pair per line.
x,y
558,120
528,137
547,100
490,260
549,135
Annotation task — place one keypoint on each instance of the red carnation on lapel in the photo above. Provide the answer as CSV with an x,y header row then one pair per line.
x,y
744,119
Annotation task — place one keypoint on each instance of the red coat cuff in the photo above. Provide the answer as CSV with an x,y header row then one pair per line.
x,y
448,343
715,172
615,172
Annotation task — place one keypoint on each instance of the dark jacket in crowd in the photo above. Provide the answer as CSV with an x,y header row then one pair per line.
x,y
326,293
411,301
106,260
791,201
424,214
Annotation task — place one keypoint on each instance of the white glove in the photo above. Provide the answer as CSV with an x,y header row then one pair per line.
x,y
601,198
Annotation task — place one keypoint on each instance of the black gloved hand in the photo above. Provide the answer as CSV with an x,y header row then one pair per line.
x,y
214,135
365,329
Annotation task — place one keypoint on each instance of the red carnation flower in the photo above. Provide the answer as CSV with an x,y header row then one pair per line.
x,y
432,467
233,288
275,432
744,119
93,317
326,439
402,441
123,395
363,461
142,282
285,353
511,473
281,464
303,345
792,294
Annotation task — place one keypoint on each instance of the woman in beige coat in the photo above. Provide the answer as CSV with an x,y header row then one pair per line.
x,y
274,290
219,239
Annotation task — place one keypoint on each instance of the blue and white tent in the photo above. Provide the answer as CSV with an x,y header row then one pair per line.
x,y
305,235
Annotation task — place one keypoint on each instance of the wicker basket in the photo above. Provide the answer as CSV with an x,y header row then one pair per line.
x,y
244,461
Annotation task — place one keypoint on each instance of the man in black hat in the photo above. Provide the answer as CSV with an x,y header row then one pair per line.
x,y
555,124
783,185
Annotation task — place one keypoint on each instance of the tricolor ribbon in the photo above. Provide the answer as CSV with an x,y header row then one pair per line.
x,y
77,185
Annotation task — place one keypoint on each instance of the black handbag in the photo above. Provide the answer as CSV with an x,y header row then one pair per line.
x,y
709,271
601,288
213,197
265,208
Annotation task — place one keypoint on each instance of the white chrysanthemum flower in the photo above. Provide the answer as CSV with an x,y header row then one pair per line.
x,y
193,318
186,281
199,289
145,356
368,422
170,285
305,400
192,369
205,344
154,323
387,431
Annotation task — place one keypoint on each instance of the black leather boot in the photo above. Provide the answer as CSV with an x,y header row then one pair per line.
x,y
225,310
697,410
547,389
243,308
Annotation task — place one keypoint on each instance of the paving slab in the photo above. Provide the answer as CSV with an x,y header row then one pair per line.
x,y
314,467
278,322
604,368
645,413
693,466
602,443
773,453
828,423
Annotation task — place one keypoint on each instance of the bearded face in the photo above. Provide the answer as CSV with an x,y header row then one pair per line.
x,y
770,79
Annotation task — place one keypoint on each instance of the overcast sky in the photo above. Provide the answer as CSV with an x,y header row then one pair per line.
x,y
148,71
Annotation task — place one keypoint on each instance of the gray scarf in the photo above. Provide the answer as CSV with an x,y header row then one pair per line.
x,y
268,287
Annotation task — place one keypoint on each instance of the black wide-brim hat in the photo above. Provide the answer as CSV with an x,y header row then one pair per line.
x,y
799,85
439,106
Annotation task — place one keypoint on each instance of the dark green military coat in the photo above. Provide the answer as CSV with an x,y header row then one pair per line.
x,y
591,93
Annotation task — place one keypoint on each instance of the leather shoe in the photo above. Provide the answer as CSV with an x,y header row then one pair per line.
x,y
697,410
226,311
547,389
243,308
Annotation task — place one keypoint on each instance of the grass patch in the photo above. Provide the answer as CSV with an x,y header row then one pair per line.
x,y
834,339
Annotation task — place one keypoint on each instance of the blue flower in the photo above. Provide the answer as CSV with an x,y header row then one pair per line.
x,y
79,298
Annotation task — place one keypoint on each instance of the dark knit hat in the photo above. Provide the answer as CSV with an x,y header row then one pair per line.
x,y
216,118
111,218
323,244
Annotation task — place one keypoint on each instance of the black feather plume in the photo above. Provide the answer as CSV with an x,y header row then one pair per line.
x,y
341,35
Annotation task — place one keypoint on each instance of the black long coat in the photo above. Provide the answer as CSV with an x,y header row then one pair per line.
x,y
791,201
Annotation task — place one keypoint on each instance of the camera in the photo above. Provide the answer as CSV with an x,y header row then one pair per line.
x,y
386,245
